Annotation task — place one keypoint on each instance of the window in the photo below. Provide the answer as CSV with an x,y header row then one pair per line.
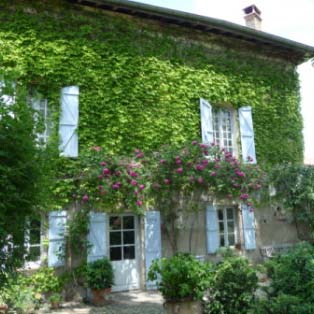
x,y
32,242
227,226
41,115
223,129
220,126
122,237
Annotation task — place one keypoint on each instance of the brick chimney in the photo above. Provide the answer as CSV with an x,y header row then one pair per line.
x,y
253,17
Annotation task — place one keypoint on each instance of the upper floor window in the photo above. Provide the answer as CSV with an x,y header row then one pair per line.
x,y
223,129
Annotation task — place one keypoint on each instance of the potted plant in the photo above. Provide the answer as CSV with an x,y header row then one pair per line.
x,y
182,280
100,278
3,306
55,300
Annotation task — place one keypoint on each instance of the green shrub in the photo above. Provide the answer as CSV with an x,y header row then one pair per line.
x,y
181,276
293,273
99,274
232,287
45,281
283,304
19,295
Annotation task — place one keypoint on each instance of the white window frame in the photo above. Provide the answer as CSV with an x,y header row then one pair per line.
x,y
27,245
225,221
220,112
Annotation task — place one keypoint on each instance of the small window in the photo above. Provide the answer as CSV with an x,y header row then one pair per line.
x,y
122,237
223,129
227,226
32,242
41,115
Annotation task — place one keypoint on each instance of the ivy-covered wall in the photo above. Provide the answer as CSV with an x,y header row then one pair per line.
x,y
140,80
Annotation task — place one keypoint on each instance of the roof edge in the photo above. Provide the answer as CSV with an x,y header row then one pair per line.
x,y
152,10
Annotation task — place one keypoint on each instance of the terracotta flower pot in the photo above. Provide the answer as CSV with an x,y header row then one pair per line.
x,y
183,307
3,309
99,297
55,304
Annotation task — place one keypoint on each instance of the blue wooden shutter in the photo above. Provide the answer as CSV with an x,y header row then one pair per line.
x,y
152,242
212,229
206,122
248,227
56,233
247,134
69,121
97,236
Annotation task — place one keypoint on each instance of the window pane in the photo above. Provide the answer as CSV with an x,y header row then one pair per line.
x,y
34,224
129,252
220,214
230,213
115,254
231,239
128,237
115,238
128,222
221,226
34,254
115,223
34,236
230,227
222,240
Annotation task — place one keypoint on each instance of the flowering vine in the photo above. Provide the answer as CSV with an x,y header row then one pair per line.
x,y
130,183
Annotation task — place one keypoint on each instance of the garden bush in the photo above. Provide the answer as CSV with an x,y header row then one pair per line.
x,y
181,276
19,295
283,304
292,282
232,287
45,281
25,293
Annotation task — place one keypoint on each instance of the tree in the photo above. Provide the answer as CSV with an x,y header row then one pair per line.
x,y
19,178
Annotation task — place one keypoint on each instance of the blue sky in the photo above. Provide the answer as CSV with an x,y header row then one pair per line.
x,y
290,19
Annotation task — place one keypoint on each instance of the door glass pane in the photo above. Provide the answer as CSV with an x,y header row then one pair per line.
x,y
222,240
128,237
129,252
230,227
115,238
220,215
230,213
115,254
128,222
231,239
115,223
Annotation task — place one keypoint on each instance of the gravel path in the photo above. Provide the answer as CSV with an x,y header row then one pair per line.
x,y
134,302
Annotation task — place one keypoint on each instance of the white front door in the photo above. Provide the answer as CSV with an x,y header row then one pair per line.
x,y
124,252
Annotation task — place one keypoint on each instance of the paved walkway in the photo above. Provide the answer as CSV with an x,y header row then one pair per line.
x,y
134,302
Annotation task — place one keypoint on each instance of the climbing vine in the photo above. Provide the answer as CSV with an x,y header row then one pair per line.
x,y
294,185
140,81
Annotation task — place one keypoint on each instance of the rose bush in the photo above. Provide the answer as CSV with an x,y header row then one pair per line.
x,y
159,178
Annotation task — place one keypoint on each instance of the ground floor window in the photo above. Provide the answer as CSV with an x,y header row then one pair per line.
x,y
32,241
227,226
